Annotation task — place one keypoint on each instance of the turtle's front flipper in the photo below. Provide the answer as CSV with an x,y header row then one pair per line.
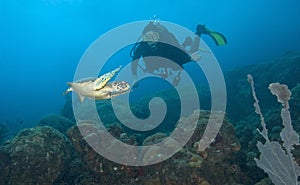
x,y
102,80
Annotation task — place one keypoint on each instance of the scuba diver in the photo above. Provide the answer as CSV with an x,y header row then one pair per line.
x,y
159,46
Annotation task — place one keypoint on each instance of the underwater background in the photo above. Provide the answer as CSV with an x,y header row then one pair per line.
x,y
42,42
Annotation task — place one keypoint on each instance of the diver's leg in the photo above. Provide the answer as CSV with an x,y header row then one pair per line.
x,y
195,44
187,42
177,79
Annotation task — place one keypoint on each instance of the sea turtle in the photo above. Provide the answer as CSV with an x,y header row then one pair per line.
x,y
98,88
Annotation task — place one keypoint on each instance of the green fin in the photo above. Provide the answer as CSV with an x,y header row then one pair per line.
x,y
218,38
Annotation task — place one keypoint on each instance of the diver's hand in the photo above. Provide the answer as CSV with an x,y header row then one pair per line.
x,y
135,83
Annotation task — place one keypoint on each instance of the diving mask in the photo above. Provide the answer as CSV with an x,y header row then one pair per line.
x,y
151,36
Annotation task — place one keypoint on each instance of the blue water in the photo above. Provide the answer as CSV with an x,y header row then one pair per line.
x,y
42,41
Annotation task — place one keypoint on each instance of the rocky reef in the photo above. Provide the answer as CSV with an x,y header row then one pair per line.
x,y
214,166
43,155
56,121
39,155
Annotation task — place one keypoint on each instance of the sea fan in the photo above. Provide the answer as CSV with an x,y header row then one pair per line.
x,y
276,159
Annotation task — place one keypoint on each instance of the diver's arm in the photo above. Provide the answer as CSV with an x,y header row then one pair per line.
x,y
134,64
135,60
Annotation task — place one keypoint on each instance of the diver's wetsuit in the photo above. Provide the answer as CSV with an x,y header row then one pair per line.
x,y
167,53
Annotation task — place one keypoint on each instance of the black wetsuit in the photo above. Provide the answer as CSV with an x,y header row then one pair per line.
x,y
167,53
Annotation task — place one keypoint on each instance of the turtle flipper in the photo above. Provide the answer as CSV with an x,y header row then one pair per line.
x,y
102,80
69,89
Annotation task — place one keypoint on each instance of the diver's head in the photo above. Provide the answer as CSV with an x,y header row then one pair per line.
x,y
151,36
151,26
151,33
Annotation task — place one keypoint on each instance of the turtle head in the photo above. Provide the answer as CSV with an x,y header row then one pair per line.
x,y
121,86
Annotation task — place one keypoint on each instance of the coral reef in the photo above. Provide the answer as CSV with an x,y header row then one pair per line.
x,y
213,166
155,138
284,69
277,159
78,174
3,131
295,106
37,155
4,163
44,155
